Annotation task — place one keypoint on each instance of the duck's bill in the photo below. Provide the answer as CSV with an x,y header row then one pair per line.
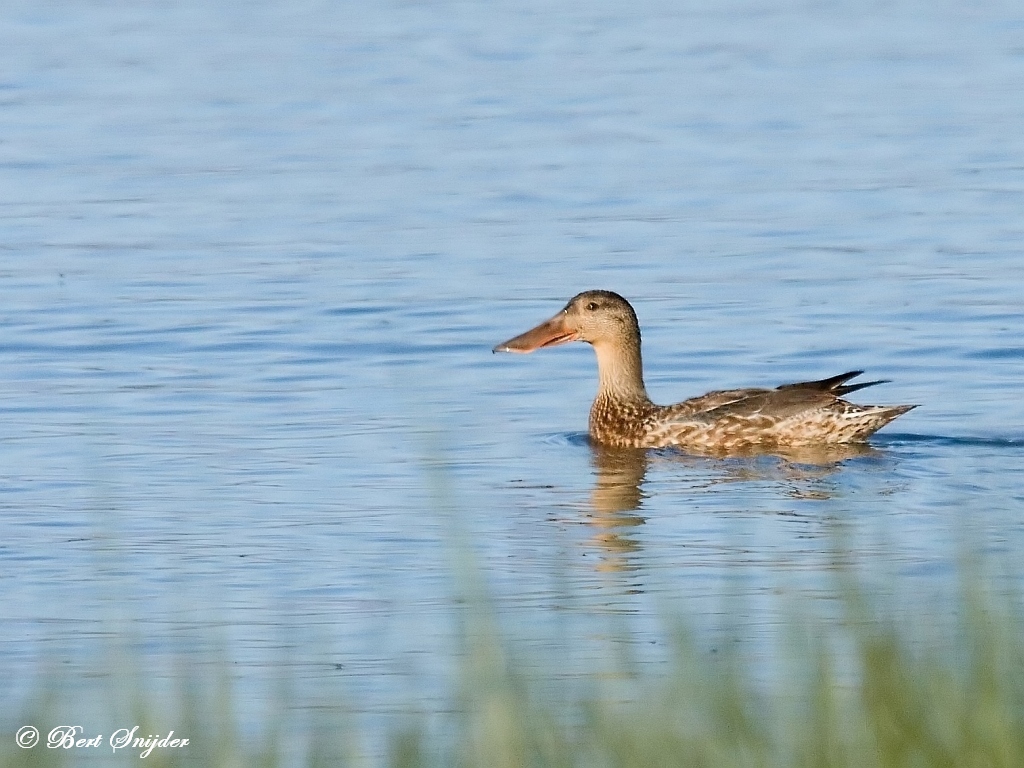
x,y
549,334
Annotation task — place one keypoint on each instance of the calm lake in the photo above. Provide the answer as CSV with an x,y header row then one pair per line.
x,y
255,257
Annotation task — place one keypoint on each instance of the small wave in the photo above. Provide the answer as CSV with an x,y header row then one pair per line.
x,y
897,438
567,438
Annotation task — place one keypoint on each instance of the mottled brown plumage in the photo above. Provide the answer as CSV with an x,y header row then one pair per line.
x,y
806,413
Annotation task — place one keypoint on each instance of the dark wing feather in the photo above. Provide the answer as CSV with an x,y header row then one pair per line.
x,y
834,384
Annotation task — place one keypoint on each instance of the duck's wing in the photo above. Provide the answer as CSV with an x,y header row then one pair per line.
x,y
782,401
696,407
807,411
774,404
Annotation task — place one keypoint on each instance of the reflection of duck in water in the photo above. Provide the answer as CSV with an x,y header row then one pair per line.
x,y
623,416
620,473
618,497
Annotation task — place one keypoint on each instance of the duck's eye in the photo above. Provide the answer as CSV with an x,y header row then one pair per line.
x,y
592,306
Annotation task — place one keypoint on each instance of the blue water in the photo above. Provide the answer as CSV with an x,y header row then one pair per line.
x,y
255,257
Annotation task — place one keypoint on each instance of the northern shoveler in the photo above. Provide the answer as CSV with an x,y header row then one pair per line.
x,y
806,413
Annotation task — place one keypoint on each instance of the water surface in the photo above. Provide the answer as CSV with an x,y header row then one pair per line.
x,y
256,256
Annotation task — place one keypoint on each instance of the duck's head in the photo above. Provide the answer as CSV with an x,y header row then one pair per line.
x,y
597,317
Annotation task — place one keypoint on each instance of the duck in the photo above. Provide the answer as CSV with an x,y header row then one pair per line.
x,y
805,413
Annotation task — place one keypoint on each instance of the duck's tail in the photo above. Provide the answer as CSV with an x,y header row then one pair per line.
x,y
873,417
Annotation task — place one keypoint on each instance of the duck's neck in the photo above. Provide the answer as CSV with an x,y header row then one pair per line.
x,y
620,373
